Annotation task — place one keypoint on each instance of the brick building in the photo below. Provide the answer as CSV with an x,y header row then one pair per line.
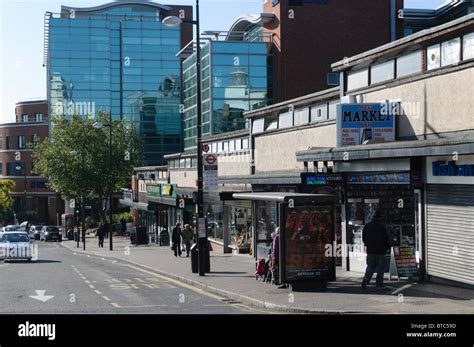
x,y
42,204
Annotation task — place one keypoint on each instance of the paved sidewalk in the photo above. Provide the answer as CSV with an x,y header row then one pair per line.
x,y
233,276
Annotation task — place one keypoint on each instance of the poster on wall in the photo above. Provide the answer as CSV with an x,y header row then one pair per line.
x,y
307,234
362,123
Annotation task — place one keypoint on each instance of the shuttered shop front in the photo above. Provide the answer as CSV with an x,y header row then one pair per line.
x,y
450,232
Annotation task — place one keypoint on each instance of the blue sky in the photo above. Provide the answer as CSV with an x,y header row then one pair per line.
x,y
22,75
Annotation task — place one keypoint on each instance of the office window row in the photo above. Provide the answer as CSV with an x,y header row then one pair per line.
x,y
21,142
301,116
440,55
229,146
38,118
184,163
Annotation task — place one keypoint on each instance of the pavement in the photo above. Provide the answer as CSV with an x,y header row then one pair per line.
x,y
232,277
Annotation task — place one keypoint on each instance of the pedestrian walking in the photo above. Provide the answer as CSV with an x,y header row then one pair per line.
x,y
176,239
100,234
377,241
123,224
187,236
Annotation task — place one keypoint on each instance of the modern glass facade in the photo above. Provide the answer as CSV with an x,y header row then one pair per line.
x,y
235,79
119,59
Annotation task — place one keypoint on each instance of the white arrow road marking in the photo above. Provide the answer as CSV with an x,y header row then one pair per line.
x,y
40,296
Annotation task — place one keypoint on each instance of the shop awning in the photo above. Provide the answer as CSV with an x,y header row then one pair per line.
x,y
138,205
275,177
285,197
163,200
397,149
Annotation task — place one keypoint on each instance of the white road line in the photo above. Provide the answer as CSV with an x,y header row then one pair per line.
x,y
91,286
98,292
115,305
402,288
88,282
105,298
114,261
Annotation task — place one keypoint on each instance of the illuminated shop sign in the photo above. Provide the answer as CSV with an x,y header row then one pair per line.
x,y
315,179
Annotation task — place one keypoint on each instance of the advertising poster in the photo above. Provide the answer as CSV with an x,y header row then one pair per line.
x,y
405,261
308,229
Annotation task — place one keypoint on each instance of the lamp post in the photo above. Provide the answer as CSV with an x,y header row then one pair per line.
x,y
83,202
173,21
21,168
100,125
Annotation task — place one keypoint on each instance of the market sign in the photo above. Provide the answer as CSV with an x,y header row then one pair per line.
x,y
358,123
153,190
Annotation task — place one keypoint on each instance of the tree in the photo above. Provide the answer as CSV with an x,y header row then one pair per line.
x,y
76,157
6,200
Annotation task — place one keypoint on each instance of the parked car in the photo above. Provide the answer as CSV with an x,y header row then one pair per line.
x,y
15,245
51,233
8,229
35,232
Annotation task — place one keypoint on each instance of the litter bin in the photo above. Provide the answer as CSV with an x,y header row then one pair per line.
x,y
194,259
141,236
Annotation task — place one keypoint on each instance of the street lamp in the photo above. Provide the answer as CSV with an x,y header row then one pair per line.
x,y
173,21
83,202
20,168
100,125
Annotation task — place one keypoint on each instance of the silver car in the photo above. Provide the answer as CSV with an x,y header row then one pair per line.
x,y
15,246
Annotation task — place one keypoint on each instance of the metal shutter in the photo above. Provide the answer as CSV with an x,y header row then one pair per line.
x,y
450,232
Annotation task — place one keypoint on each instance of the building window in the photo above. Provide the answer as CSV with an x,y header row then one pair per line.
x,y
409,64
382,72
468,46
171,164
245,143
24,118
319,113
9,144
285,120
238,144
21,142
219,147
333,79
182,163
214,147
301,116
1,142
13,171
357,79
188,163
433,57
332,110
194,162
231,145
38,117
257,125
226,146
451,52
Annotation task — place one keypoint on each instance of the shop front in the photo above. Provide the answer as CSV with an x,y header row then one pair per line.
x,y
450,217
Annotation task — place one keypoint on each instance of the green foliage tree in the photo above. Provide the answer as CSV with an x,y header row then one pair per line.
x,y
6,200
76,156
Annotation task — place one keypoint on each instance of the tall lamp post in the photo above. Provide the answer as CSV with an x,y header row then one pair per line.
x,y
173,21
100,125
23,168
83,202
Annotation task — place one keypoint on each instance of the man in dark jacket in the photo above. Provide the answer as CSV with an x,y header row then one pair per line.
x,y
176,239
377,241
100,235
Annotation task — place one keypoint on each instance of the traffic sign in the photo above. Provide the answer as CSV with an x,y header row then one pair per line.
x,y
205,148
211,159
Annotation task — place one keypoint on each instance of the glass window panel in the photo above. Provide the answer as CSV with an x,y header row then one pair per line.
x,y
433,57
319,113
357,79
382,71
285,120
409,64
214,147
225,146
257,125
451,52
301,116
245,143
231,145
333,109
468,46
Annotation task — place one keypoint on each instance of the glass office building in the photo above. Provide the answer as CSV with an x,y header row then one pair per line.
x,y
236,77
84,48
